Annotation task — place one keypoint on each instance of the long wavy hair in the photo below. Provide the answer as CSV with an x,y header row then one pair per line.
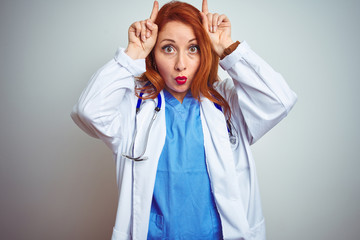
x,y
206,76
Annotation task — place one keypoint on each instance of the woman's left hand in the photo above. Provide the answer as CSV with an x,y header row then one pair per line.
x,y
218,27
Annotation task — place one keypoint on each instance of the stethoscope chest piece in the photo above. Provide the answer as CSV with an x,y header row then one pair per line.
x,y
232,140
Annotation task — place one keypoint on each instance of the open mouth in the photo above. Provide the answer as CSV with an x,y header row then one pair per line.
x,y
181,80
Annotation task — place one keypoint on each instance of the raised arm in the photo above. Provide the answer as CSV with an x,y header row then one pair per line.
x,y
258,95
106,107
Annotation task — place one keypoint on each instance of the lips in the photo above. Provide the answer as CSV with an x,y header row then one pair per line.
x,y
181,80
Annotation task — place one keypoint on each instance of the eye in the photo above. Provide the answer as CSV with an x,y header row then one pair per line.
x,y
194,49
168,49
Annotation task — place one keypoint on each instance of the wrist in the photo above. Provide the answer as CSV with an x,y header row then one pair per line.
x,y
135,53
225,45
229,49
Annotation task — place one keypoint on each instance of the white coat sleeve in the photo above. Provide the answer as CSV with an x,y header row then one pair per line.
x,y
106,106
257,92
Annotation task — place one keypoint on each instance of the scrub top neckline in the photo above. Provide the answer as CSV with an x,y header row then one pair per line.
x,y
180,108
173,101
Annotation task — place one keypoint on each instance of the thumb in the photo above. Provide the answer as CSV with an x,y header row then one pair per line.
x,y
204,21
152,26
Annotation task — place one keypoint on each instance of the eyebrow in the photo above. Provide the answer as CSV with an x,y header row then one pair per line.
x,y
170,40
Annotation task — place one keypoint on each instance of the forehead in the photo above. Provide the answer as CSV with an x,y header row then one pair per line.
x,y
177,31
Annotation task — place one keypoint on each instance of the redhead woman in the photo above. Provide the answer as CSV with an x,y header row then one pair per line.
x,y
180,136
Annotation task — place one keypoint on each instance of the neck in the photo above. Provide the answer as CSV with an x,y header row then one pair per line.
x,y
178,95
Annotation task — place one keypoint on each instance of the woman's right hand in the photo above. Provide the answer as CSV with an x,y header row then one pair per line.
x,y
142,36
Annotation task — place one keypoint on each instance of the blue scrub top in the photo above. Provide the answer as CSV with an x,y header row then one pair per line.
x,y
183,206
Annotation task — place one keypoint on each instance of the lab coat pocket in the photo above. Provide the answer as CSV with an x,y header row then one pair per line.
x,y
156,227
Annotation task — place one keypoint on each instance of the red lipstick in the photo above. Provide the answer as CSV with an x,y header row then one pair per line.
x,y
181,80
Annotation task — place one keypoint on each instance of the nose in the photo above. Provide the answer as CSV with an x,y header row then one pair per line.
x,y
180,64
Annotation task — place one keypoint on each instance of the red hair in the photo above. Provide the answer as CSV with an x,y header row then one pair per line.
x,y
206,76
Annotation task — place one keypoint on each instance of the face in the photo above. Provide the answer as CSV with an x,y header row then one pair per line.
x,y
177,57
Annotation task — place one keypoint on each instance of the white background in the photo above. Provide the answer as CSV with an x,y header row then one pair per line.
x,y
58,183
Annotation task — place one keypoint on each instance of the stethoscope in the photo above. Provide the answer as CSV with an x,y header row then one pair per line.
x,y
141,157
156,110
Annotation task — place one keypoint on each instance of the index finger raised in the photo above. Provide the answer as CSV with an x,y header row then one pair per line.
x,y
154,11
204,8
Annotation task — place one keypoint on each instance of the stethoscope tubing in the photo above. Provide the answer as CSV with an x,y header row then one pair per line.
x,y
156,110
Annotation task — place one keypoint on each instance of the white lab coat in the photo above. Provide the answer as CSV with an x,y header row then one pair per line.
x,y
259,98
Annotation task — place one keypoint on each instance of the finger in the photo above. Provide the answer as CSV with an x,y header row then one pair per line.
x,y
137,28
154,11
215,21
222,18
209,18
149,25
151,28
204,8
143,31
204,21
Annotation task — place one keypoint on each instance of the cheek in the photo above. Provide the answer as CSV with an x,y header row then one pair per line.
x,y
195,65
162,65
163,69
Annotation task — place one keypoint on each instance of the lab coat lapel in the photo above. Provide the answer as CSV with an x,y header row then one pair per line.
x,y
222,172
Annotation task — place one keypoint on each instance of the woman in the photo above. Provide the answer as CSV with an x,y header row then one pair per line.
x,y
183,160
